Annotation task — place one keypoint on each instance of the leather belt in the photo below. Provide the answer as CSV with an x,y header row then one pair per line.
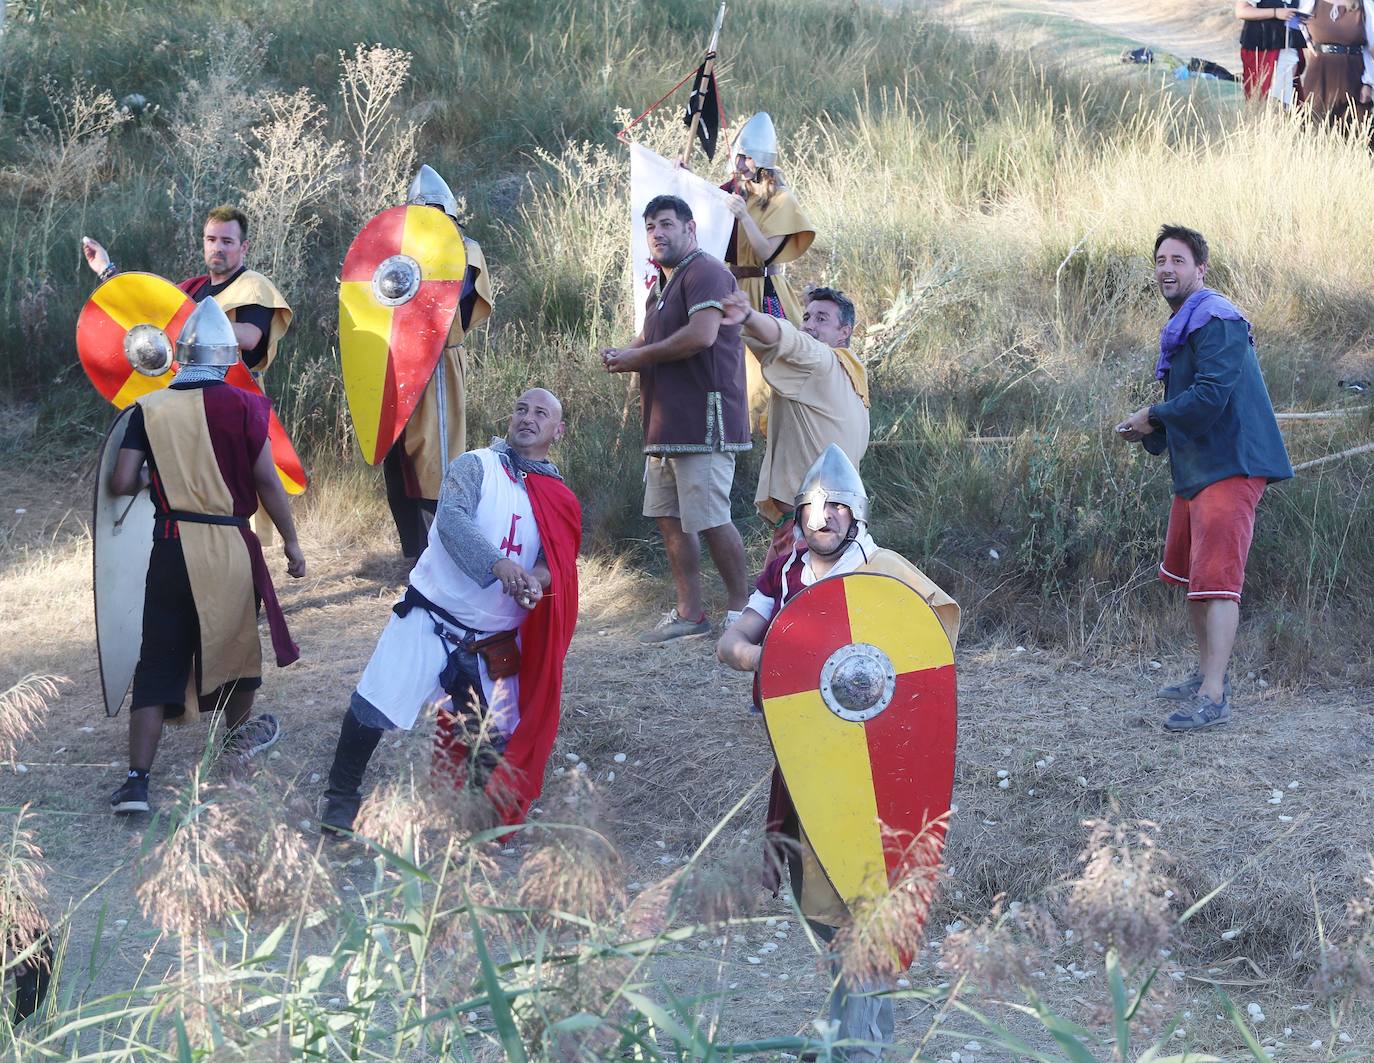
x,y
203,518
754,272
1340,49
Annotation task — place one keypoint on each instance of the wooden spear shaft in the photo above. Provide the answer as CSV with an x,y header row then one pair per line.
x,y
708,68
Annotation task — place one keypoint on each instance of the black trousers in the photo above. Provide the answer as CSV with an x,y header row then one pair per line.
x,y
408,513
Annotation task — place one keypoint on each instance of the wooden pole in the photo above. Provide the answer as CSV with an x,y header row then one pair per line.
x,y
709,68
1316,462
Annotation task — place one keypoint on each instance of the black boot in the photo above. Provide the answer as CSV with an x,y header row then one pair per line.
x,y
357,742
31,979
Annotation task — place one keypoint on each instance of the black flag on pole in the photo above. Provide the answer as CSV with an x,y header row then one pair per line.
x,y
706,102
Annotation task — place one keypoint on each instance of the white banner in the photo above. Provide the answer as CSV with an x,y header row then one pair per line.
x,y
653,175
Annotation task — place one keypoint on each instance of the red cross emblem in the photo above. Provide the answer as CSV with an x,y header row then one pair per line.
x,y
508,545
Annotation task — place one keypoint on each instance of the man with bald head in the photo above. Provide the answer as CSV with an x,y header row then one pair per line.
x,y
483,627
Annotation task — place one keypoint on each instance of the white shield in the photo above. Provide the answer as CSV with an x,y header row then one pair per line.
x,y
122,540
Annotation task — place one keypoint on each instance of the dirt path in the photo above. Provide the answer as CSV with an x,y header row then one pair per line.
x,y
1045,742
1096,31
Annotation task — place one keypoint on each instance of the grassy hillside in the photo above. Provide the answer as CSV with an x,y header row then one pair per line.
x,y
991,217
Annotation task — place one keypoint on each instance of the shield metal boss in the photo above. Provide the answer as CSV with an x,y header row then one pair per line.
x,y
123,329
398,294
858,690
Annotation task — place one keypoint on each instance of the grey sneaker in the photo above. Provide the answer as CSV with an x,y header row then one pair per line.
x,y
673,626
253,736
1188,688
1198,713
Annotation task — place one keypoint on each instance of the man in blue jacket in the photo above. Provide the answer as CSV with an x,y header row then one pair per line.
x,y
1224,447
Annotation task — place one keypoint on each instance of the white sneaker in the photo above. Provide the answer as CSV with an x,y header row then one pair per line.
x,y
731,615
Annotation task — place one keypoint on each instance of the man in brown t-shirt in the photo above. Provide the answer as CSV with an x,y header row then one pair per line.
x,y
696,417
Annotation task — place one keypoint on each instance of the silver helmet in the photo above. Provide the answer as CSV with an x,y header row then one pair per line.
x,y
759,140
207,338
430,190
832,478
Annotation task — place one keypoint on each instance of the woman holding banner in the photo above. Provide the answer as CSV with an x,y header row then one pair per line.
x,y
770,231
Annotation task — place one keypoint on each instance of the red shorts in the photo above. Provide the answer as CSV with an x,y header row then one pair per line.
x,y
1257,71
1209,538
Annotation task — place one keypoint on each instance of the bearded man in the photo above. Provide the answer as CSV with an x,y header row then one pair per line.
x,y
258,313
691,392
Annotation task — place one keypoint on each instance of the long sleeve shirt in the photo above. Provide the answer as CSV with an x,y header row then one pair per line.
x,y
1216,420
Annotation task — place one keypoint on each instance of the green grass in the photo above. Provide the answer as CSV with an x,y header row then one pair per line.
x,y
991,215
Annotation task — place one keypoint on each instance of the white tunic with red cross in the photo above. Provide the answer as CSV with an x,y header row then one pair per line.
x,y
505,520
403,675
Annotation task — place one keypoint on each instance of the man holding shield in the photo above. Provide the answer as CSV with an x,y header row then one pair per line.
x,y
692,394
832,539
258,313
200,447
414,466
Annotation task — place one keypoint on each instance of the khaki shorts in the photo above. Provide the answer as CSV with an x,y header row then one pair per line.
x,y
695,488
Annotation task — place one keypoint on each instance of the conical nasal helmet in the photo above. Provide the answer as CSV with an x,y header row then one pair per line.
x,y
208,337
430,190
759,140
832,478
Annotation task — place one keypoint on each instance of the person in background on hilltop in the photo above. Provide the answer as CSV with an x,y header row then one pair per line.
x,y
1338,85
817,395
691,390
1271,44
1224,444
412,467
258,312
770,231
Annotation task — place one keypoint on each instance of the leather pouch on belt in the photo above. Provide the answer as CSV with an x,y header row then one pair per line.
x,y
501,653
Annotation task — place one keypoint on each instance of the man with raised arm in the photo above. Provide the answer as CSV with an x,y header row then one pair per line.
x,y
817,395
696,418
483,627
257,311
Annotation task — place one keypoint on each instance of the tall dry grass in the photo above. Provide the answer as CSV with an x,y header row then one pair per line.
x,y
991,216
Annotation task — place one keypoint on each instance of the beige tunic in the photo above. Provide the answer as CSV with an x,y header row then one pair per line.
x,y
818,395
217,560
421,435
782,217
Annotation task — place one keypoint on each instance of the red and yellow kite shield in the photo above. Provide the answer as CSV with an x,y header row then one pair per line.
x,y
398,294
858,690
132,314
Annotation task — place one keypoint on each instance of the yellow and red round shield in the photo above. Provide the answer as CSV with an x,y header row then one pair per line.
x,y
398,294
858,691
127,303
144,304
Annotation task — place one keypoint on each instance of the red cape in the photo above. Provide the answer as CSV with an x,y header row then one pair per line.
x,y
544,639
191,285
